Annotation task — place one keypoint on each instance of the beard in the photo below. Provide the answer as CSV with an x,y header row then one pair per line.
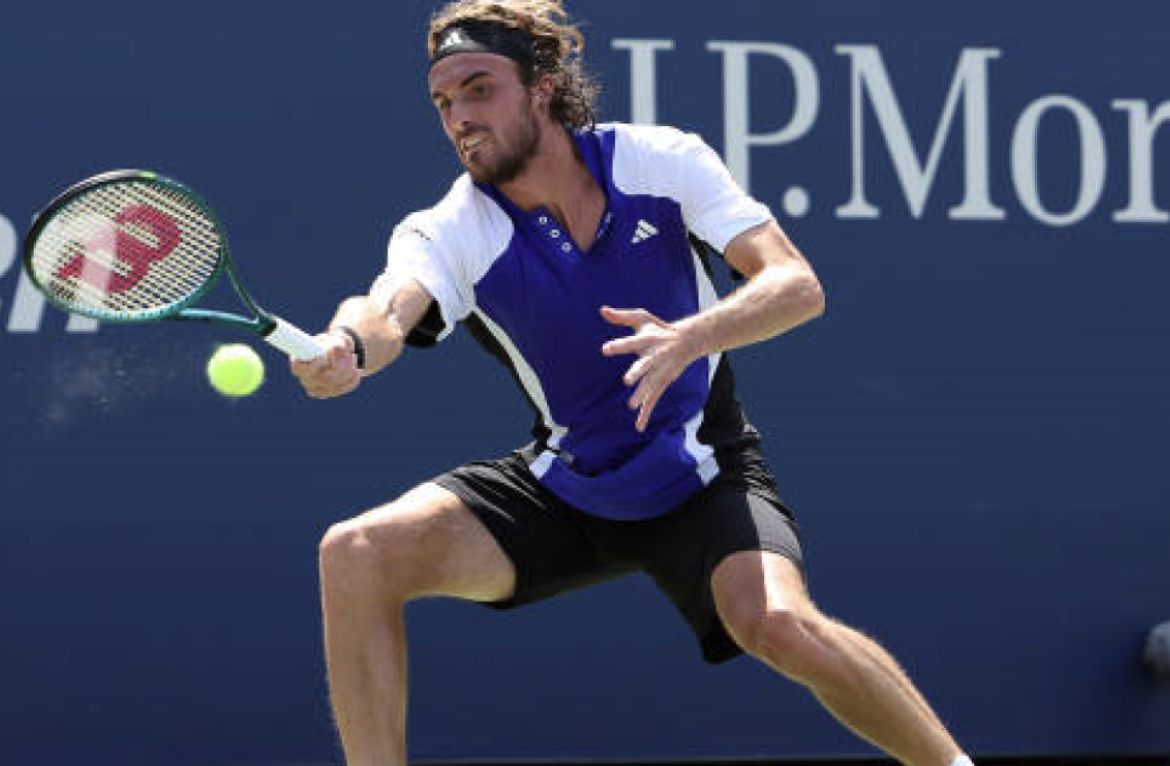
x,y
513,153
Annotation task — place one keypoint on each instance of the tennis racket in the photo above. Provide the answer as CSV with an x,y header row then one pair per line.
x,y
133,246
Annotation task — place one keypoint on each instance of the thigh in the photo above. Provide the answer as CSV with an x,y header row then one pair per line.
x,y
553,547
750,584
739,513
432,544
763,605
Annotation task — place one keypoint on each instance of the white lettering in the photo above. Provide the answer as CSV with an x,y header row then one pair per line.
x,y
28,306
1142,128
737,138
7,245
28,309
869,77
643,76
1024,162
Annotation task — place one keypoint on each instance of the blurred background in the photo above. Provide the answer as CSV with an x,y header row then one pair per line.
x,y
973,436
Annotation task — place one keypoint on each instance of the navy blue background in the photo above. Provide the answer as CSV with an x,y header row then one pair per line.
x,y
973,436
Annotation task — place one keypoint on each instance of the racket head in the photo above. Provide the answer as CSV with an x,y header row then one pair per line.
x,y
126,246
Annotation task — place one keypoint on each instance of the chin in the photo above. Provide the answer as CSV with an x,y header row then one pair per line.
x,y
478,173
483,173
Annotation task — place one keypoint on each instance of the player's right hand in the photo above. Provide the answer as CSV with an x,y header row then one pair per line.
x,y
334,373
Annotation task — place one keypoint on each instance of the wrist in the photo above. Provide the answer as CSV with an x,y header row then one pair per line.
x,y
694,336
356,344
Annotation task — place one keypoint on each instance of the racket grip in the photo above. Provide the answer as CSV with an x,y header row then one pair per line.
x,y
293,341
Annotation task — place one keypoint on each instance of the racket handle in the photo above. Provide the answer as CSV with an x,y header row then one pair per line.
x,y
293,341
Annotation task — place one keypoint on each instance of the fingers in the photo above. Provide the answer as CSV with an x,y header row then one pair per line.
x,y
631,344
641,321
651,377
633,318
653,371
646,408
334,373
639,368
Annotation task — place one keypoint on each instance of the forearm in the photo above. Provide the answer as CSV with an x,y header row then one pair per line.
x,y
379,327
776,299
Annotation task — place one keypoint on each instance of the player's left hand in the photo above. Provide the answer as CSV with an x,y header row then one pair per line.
x,y
663,353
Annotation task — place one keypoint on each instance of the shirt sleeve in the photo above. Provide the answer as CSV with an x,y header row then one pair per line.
x,y
418,252
686,169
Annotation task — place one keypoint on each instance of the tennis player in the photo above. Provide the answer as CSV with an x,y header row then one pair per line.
x,y
579,255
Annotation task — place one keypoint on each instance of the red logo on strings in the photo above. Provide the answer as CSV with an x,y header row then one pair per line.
x,y
136,255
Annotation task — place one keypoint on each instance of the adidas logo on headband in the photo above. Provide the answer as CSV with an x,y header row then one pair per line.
x,y
484,37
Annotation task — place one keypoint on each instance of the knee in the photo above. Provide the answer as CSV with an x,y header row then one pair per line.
x,y
343,544
345,552
354,557
792,642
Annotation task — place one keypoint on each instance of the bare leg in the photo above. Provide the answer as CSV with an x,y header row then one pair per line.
x,y
425,543
762,601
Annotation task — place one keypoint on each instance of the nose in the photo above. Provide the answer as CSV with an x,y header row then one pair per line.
x,y
458,118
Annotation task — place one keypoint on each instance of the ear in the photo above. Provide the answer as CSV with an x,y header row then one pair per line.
x,y
545,88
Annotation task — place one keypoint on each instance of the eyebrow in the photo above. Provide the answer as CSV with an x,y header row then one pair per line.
x,y
466,81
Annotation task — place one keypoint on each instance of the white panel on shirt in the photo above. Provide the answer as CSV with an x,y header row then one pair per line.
x,y
666,162
447,249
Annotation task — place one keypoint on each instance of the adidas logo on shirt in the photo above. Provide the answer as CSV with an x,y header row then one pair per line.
x,y
644,232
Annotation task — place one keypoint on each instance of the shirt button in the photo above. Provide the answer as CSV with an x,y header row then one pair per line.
x,y
543,220
566,247
555,233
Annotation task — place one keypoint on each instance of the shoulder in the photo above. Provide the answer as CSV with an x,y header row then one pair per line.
x,y
650,141
655,158
464,215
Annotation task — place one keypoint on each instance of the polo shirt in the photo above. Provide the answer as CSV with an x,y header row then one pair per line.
x,y
531,297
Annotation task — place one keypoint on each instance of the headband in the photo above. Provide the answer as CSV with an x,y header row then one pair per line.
x,y
484,37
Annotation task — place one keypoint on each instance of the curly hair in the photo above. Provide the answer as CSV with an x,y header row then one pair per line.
x,y
557,49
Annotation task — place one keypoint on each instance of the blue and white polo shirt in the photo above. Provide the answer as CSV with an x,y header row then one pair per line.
x,y
531,297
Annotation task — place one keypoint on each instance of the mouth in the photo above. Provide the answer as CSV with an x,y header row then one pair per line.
x,y
469,145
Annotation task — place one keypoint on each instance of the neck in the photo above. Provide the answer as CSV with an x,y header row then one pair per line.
x,y
555,175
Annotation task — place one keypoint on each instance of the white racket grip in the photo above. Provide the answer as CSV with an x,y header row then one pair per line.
x,y
294,341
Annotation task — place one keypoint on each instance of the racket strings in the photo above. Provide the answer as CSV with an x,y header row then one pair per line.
x,y
172,273
107,260
127,249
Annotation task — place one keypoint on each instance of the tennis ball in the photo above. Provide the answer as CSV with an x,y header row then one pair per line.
x,y
235,370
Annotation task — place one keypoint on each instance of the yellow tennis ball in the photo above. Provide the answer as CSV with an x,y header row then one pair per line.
x,y
235,370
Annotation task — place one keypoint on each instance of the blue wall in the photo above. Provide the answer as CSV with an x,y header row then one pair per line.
x,y
974,436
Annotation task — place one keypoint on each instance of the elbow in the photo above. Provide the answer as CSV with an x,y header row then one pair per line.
x,y
812,296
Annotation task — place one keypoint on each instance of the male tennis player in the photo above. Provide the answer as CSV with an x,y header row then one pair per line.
x,y
576,253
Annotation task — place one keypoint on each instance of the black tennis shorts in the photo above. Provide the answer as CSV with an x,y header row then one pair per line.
x,y
557,548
